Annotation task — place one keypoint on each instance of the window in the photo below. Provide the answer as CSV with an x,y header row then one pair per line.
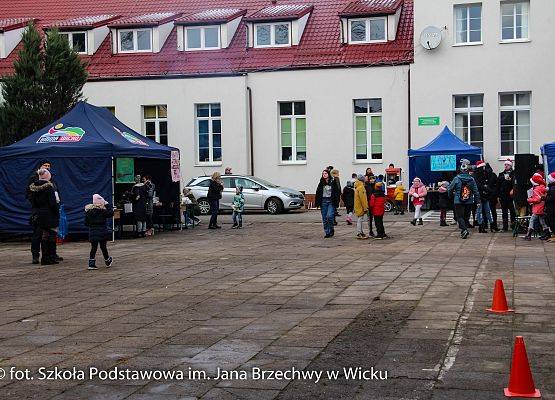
x,y
468,23
514,20
209,132
202,38
469,118
514,122
292,131
367,30
156,123
246,183
135,40
77,41
272,35
368,129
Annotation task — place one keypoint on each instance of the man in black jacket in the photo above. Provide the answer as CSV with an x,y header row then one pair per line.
x,y
493,196
505,185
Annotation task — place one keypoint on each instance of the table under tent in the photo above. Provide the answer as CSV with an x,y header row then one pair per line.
x,y
84,147
439,160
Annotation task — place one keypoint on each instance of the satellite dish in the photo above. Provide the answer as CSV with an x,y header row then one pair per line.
x,y
430,38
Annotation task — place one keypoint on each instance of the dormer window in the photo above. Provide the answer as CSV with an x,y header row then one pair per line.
x,y
202,38
272,35
134,40
11,32
76,40
367,30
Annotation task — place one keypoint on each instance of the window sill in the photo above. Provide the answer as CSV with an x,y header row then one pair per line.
x,y
514,41
286,163
209,164
504,158
368,162
369,42
467,44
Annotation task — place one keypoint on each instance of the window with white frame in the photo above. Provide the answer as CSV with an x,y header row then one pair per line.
x,y
514,20
514,122
292,131
135,40
155,123
77,41
468,23
469,118
202,38
276,34
209,132
367,30
368,129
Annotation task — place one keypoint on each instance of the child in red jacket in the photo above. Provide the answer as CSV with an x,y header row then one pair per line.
x,y
377,205
537,201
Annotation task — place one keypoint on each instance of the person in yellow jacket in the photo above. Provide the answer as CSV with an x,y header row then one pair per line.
x,y
361,206
399,197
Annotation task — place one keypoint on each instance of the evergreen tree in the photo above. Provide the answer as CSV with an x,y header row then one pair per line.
x,y
44,86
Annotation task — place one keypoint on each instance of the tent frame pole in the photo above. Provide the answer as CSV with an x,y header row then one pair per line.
x,y
113,204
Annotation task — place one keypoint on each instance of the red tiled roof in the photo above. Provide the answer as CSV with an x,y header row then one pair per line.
x,y
371,7
212,16
319,47
8,24
152,19
280,12
88,22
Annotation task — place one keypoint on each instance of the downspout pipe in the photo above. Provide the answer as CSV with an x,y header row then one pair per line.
x,y
251,132
409,127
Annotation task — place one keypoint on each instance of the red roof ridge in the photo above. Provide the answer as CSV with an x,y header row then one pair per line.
x,y
151,19
9,24
371,7
84,22
212,15
280,12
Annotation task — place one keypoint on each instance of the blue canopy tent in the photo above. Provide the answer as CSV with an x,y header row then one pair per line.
x,y
442,154
81,147
548,154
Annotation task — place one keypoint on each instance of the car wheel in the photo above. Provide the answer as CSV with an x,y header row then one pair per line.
x,y
388,206
204,206
274,206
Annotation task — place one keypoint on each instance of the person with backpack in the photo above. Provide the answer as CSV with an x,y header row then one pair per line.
x,y
418,194
537,201
465,195
348,197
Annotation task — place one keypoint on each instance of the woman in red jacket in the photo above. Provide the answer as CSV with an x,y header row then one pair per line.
x,y
377,205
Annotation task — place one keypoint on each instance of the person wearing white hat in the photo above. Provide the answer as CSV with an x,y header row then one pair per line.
x,y
505,190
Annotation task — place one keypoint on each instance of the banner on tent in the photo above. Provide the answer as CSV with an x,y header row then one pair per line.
x,y
443,162
125,170
175,166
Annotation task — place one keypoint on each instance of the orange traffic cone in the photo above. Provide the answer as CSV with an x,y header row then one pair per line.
x,y
499,303
521,383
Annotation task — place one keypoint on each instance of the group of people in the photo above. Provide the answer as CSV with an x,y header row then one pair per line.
x,y
473,193
142,198
214,196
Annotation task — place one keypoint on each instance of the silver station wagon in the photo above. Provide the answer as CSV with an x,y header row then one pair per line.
x,y
259,194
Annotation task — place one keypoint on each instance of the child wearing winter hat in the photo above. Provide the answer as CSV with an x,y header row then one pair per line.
x,y
399,197
418,194
537,201
96,215
443,202
348,197
360,206
550,205
377,205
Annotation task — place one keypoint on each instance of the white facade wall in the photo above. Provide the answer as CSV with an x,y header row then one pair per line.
x,y
328,96
488,68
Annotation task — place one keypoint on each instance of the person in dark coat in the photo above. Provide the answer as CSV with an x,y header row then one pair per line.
x,y
550,205
96,215
369,186
214,195
444,203
483,211
494,196
47,214
327,199
140,198
377,205
150,189
505,191
348,197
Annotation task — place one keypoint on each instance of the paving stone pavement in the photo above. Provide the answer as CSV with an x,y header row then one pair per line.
x,y
276,296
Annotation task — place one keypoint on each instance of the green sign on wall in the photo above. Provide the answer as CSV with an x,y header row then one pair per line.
x,y
125,170
428,121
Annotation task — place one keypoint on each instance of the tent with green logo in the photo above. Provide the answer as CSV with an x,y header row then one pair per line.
x,y
81,146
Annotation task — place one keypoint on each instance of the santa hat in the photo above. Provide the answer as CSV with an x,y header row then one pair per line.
x,y
551,177
508,162
44,174
480,163
98,200
537,179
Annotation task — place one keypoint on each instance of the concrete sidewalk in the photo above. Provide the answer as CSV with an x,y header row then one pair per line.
x,y
278,297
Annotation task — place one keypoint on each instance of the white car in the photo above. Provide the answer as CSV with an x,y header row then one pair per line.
x,y
259,194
